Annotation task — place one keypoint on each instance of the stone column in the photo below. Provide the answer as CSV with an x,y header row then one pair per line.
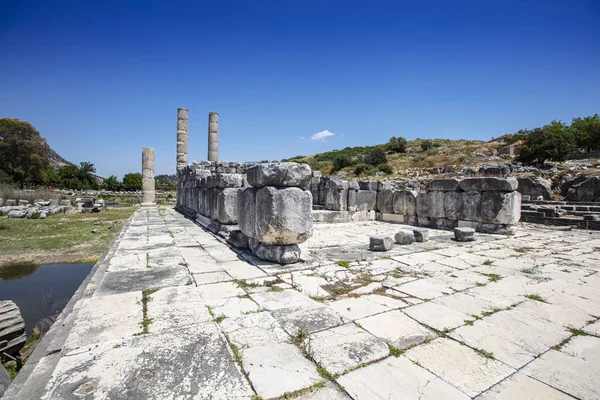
x,y
213,136
182,138
148,198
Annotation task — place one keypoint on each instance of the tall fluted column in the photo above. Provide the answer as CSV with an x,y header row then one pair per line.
x,y
182,138
148,194
213,136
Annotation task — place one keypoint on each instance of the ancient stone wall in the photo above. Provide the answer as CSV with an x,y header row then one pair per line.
x,y
487,204
263,207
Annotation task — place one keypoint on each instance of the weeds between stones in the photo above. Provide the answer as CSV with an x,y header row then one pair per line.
x,y
394,351
343,263
488,262
536,297
492,277
145,324
528,270
484,353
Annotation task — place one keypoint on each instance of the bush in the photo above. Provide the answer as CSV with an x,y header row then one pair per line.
x,y
340,162
426,144
385,168
362,169
35,215
397,144
552,142
375,157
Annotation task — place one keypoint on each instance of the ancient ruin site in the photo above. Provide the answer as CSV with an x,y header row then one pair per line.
x,y
274,281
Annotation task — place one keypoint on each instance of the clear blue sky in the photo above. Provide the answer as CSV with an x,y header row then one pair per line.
x,y
102,79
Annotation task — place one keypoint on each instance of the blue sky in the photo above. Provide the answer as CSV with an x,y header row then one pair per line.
x,y
100,80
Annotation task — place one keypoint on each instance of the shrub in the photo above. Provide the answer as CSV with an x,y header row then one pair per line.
x,y
340,162
551,142
397,144
362,169
375,157
35,215
426,144
385,168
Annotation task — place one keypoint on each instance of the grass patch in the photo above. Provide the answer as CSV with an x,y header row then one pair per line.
x,y
275,289
61,237
484,353
492,311
394,351
522,249
488,262
318,299
145,324
238,356
343,263
528,270
492,277
242,284
220,318
536,297
300,336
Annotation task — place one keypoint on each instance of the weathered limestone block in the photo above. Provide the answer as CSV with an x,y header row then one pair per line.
x,y
227,206
213,136
588,190
454,205
495,170
228,180
182,138
11,203
368,185
4,380
421,235
279,254
380,243
17,214
352,200
471,206
430,204
366,200
12,328
534,186
405,202
23,202
148,184
287,174
385,201
464,234
276,216
384,185
405,236
336,194
489,184
445,185
500,207
238,239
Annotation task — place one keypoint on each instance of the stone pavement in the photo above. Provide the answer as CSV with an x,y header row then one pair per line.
x,y
173,313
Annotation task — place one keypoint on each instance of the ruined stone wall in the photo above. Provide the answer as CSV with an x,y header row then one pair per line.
x,y
487,204
263,207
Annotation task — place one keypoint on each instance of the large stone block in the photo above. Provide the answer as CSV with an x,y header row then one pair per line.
x,y
489,184
276,216
405,202
368,185
454,205
588,190
385,201
534,186
445,185
430,204
287,174
471,210
227,206
228,180
247,211
500,207
366,200
336,195
279,254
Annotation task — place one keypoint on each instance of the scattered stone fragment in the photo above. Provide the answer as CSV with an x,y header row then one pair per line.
x,y
279,254
405,236
421,234
380,243
464,234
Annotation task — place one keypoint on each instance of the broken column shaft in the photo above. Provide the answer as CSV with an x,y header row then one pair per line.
x,y
213,136
148,194
182,138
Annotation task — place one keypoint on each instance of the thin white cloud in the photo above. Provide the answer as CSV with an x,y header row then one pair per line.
x,y
301,137
321,135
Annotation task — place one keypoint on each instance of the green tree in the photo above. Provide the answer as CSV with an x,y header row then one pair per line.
x,y
69,177
375,157
552,142
51,178
112,183
23,152
86,175
132,181
587,131
397,144
341,161
426,144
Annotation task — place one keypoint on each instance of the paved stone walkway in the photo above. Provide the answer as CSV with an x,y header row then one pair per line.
x,y
499,318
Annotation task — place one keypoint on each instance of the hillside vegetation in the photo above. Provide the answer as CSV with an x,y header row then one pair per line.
x,y
419,153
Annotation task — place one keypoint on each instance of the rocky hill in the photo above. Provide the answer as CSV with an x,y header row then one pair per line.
x,y
56,161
